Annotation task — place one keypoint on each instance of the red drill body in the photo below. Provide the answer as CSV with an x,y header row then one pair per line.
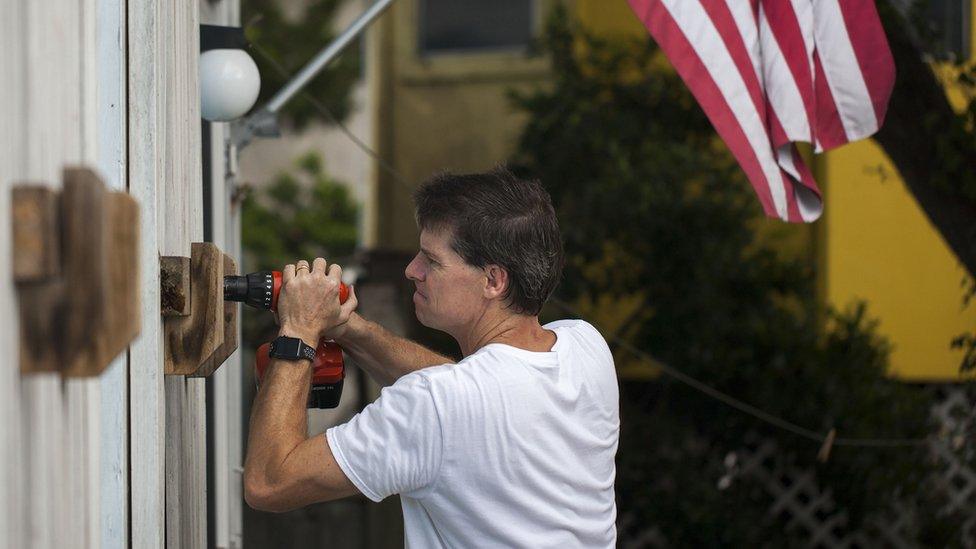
x,y
260,290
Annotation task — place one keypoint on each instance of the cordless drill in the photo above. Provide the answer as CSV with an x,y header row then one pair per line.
x,y
260,290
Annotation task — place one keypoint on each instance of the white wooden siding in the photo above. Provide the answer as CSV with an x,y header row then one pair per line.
x,y
111,137
112,84
13,492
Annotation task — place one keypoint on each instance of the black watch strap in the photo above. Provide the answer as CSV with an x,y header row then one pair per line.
x,y
291,348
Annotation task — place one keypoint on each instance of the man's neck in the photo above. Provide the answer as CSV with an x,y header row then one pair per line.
x,y
521,331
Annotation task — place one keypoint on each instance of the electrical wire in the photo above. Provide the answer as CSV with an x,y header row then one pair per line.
x,y
744,407
324,111
671,371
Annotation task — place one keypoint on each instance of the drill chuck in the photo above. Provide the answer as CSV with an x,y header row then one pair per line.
x,y
258,290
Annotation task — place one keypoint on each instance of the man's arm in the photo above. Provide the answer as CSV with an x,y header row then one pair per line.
x,y
384,355
284,469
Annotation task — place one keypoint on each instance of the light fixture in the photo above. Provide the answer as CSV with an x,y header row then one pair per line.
x,y
229,78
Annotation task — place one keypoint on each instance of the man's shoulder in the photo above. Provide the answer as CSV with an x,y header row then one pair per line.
x,y
576,326
456,378
425,377
572,324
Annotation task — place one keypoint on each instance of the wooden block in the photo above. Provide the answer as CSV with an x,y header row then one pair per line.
x,y
41,334
78,317
123,318
36,260
230,330
36,239
84,255
190,340
60,317
174,280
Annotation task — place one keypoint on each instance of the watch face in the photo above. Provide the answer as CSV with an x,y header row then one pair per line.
x,y
286,347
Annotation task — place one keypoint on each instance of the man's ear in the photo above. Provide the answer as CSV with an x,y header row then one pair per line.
x,y
496,281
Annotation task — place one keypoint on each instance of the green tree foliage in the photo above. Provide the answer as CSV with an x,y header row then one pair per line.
x,y
292,43
652,205
300,215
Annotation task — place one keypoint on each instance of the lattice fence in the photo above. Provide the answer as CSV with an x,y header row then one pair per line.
x,y
810,512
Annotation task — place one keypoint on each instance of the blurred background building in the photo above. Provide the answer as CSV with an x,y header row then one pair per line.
x,y
435,92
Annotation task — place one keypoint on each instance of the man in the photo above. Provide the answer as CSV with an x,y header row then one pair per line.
x,y
513,446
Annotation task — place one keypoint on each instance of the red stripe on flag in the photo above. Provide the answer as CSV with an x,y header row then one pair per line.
x,y
871,50
718,12
806,176
788,35
830,130
792,210
689,66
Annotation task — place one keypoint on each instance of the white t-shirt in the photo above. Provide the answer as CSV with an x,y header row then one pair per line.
x,y
507,448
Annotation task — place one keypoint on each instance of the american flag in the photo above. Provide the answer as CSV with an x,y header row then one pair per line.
x,y
770,73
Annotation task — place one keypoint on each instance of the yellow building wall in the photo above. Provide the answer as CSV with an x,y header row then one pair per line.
x,y
609,18
448,111
878,246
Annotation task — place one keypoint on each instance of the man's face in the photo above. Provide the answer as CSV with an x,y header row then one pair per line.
x,y
450,292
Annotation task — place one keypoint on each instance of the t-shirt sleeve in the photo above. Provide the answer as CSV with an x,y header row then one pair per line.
x,y
395,445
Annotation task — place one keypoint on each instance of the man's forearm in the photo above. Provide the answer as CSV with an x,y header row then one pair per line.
x,y
384,355
279,421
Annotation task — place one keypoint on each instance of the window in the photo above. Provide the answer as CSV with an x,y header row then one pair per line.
x,y
949,24
475,25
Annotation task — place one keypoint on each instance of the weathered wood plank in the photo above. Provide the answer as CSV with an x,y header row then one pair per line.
x,y
176,506
194,489
147,397
183,207
84,396
111,103
55,116
14,497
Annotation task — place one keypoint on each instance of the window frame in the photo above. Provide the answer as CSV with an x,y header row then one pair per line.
x,y
415,66
535,20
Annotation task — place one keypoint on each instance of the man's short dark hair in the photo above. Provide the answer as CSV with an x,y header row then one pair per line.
x,y
498,219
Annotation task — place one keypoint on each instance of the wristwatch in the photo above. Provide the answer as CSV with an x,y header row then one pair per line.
x,y
291,348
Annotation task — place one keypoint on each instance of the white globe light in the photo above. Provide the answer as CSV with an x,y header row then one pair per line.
x,y
229,84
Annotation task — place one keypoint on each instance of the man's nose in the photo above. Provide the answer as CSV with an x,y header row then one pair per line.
x,y
412,272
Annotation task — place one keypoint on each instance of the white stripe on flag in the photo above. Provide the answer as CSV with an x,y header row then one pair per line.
x,y
781,87
700,32
746,23
804,17
843,73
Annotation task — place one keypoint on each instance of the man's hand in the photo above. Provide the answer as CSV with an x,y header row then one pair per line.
x,y
348,319
308,305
